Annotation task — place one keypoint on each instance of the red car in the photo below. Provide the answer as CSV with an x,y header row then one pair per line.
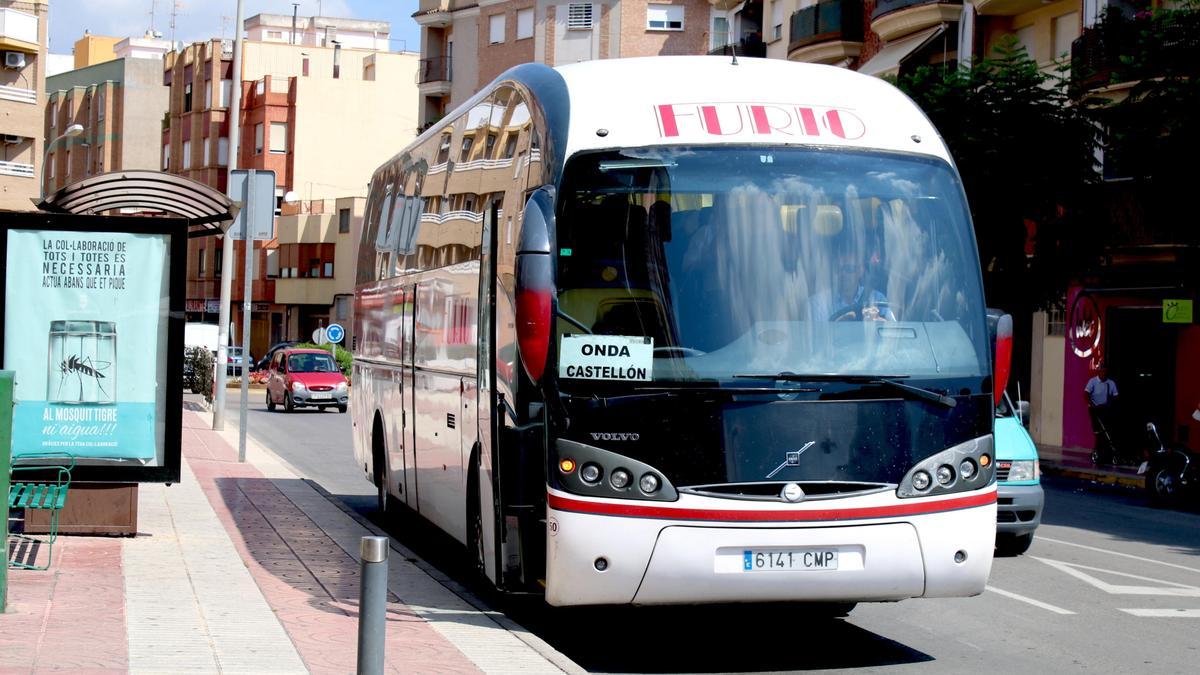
x,y
306,377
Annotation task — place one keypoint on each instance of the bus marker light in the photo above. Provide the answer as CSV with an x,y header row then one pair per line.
x,y
566,465
590,473
649,483
945,475
966,468
985,460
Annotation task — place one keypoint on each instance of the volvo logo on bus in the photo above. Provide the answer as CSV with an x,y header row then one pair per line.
x,y
622,436
792,493
757,120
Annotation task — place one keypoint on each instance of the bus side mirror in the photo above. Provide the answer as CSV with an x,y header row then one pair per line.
x,y
1000,329
535,289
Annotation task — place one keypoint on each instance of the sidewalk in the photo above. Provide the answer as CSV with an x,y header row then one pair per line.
x,y
243,568
1076,463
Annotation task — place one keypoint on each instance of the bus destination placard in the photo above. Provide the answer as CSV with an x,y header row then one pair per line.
x,y
606,357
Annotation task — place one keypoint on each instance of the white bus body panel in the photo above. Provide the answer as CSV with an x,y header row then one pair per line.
x,y
654,560
760,101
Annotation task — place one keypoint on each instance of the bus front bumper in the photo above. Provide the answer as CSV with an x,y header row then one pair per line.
x,y
603,559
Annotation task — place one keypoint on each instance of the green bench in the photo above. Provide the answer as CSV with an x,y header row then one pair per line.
x,y
47,495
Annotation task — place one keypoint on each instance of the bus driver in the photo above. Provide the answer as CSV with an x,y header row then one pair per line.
x,y
849,299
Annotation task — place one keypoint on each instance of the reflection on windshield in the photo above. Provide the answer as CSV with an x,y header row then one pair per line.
x,y
310,363
735,260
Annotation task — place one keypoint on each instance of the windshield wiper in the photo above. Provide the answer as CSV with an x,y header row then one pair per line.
x,y
643,393
885,380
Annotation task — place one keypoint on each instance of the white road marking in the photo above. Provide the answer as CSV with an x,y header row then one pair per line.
x,y
1122,555
1035,603
1168,588
1168,613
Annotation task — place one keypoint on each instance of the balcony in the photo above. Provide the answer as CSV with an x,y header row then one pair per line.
x,y
434,75
750,45
826,32
18,94
1123,50
894,19
18,31
16,169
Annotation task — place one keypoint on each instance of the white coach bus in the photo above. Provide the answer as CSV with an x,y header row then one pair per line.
x,y
683,330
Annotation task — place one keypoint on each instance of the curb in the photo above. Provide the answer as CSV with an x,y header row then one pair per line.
x,y
1093,476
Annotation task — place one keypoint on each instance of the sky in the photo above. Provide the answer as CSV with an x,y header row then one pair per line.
x,y
203,19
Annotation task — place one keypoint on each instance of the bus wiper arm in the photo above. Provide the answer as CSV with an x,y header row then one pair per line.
x,y
644,393
892,381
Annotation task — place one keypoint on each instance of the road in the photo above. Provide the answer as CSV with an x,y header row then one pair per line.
x,y
1109,585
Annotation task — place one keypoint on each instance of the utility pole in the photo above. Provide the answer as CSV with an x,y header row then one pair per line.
x,y
235,128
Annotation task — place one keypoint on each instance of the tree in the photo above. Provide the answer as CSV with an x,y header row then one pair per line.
x,y
1026,155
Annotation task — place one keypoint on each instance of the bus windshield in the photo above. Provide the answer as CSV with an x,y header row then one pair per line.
x,y
686,264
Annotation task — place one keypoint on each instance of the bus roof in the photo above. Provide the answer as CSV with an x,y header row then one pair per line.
x,y
691,100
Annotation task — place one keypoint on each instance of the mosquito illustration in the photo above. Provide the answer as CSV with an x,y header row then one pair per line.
x,y
80,368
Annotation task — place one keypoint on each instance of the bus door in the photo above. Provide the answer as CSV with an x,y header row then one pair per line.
x,y
406,318
437,406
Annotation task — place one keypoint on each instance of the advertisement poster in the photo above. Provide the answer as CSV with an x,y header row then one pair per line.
x,y
85,331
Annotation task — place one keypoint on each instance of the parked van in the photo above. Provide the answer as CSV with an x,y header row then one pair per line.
x,y
1018,476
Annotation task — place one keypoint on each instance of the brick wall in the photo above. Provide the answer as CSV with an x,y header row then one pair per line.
x,y
637,41
497,58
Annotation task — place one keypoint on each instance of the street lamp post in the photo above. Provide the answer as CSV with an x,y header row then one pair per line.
x,y
71,132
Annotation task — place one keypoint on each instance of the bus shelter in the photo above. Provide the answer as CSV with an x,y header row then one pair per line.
x,y
92,327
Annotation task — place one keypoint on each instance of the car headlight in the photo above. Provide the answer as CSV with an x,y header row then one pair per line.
x,y
297,386
1023,469
341,386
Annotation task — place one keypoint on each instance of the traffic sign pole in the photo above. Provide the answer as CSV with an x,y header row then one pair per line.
x,y
248,226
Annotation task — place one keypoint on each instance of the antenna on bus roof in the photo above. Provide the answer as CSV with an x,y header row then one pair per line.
x,y
733,50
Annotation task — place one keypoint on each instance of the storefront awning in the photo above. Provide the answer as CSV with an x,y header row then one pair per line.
x,y
207,210
887,60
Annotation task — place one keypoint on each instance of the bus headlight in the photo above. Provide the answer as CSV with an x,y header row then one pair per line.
x,y
649,483
1022,469
620,479
935,475
590,473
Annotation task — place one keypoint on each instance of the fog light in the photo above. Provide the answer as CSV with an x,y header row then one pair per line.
x,y
601,564
649,483
945,474
620,479
966,469
590,473
920,480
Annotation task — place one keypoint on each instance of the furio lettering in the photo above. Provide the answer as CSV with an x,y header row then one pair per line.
x,y
757,119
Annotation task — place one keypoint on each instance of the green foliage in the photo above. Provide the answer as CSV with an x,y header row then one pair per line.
x,y
344,359
1026,156
199,363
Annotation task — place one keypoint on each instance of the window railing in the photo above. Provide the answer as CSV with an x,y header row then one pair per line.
x,y
887,6
826,21
1127,49
436,69
16,169
18,94
748,45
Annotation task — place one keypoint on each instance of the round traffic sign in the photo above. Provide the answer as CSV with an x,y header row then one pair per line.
x,y
319,337
334,332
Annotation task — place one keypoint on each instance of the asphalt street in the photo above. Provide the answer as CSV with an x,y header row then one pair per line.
x,y
1110,585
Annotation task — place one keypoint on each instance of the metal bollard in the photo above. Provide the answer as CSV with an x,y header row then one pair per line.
x,y
372,605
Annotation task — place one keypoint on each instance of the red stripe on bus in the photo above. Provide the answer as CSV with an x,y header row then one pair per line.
x,y
641,510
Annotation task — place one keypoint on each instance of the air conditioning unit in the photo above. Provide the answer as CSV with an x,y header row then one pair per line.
x,y
14,60
13,138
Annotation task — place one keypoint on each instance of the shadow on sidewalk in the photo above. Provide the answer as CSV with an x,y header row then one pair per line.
x,y
1119,513
296,561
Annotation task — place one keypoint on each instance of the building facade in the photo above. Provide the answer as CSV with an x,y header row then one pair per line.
x,y
22,98
320,114
466,44
91,49
120,103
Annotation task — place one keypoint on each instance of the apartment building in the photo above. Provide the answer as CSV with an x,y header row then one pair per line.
x,y
314,264
320,114
22,97
120,104
465,44
92,49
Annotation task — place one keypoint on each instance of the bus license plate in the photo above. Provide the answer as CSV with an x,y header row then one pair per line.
x,y
319,395
758,560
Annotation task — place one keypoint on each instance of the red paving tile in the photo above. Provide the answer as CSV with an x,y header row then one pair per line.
x,y
310,582
70,617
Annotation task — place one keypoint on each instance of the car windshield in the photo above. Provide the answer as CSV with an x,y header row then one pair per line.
x,y
311,363
686,264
